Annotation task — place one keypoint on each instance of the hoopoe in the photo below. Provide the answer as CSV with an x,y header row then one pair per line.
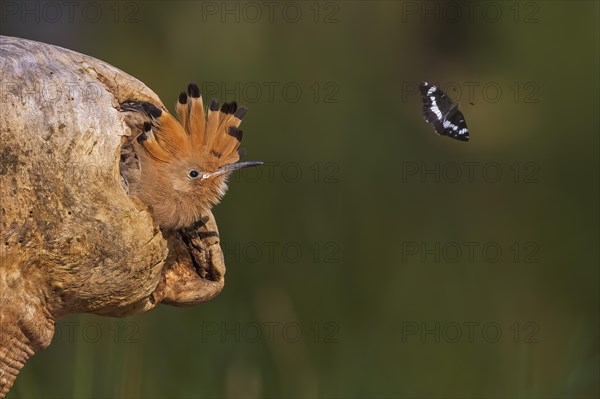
x,y
184,165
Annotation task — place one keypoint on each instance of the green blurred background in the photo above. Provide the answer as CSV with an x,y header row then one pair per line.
x,y
349,270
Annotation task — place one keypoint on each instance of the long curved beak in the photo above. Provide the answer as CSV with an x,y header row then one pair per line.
x,y
233,167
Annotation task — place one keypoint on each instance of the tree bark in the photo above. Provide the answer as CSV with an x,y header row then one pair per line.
x,y
72,240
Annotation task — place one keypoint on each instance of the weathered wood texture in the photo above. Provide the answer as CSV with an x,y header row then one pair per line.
x,y
72,240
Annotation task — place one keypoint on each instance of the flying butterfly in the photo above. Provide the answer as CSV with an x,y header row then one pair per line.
x,y
442,113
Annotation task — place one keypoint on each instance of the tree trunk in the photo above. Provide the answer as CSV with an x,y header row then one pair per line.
x,y
72,240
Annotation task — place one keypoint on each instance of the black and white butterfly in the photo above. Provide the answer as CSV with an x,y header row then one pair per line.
x,y
442,113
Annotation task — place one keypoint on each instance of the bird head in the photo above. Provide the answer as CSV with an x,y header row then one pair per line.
x,y
185,163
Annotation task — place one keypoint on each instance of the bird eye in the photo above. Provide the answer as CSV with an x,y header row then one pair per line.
x,y
193,174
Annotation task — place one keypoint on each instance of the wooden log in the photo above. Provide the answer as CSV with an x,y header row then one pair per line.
x,y
72,240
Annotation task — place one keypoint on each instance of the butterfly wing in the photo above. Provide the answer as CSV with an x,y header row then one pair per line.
x,y
435,105
455,126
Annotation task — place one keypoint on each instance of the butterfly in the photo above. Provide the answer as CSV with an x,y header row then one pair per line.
x,y
442,113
